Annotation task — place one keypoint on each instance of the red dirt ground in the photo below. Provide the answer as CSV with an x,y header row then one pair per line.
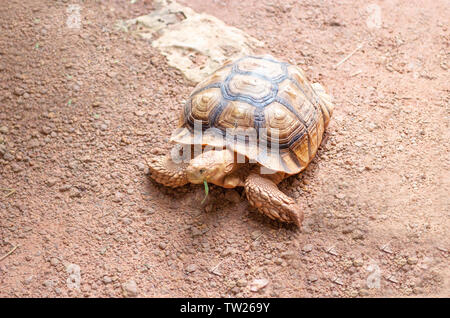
x,y
80,109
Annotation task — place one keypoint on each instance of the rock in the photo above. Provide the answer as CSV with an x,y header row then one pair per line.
x,y
18,91
130,289
28,280
412,260
65,187
228,251
211,39
54,261
46,130
117,197
358,235
358,262
258,284
139,113
191,268
51,181
15,167
241,283
162,245
8,157
363,292
340,196
312,278
4,130
307,248
107,279
347,230
255,234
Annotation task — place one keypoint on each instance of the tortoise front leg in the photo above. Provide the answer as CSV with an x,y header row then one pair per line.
x,y
163,170
263,194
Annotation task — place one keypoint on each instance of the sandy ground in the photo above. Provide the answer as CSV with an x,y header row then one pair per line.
x,y
80,109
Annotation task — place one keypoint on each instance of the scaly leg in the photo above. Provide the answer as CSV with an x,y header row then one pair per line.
x,y
264,194
163,170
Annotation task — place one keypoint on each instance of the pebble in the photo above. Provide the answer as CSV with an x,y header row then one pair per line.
x,y
363,292
339,196
107,279
15,167
312,278
307,248
162,245
54,261
241,283
65,188
358,262
255,234
358,235
4,130
46,130
191,268
51,181
228,251
412,260
130,289
18,91
258,284
8,157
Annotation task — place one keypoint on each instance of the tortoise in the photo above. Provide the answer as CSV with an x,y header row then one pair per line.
x,y
256,121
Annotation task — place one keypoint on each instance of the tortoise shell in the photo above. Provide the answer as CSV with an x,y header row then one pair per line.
x,y
257,98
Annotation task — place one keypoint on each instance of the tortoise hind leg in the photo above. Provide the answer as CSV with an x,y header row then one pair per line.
x,y
163,170
263,194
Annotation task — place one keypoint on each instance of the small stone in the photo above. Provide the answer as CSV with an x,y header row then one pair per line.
x,y
412,260
65,187
358,235
28,280
46,130
15,167
338,281
18,91
8,157
107,279
117,197
363,292
255,234
162,245
241,283
312,278
358,262
339,196
54,261
139,113
347,230
130,289
4,130
307,248
258,284
228,251
191,268
51,181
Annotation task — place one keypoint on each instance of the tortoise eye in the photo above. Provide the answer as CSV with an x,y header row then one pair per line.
x,y
202,171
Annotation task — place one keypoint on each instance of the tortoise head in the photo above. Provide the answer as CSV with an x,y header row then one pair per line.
x,y
211,166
